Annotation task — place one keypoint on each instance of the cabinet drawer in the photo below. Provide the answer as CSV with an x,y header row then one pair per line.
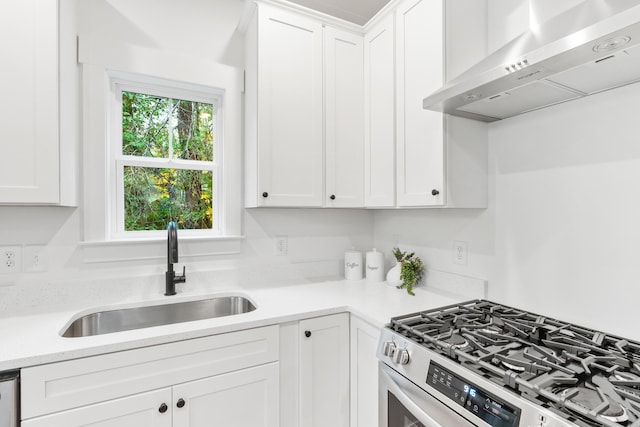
x,y
74,383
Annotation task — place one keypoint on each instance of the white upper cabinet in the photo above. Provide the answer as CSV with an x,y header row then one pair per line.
x,y
379,164
29,165
419,132
335,119
284,150
344,118
440,161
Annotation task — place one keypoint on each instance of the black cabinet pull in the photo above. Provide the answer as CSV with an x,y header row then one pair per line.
x,y
180,403
332,197
434,192
307,334
163,408
265,194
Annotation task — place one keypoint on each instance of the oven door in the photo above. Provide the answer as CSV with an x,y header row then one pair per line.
x,y
403,404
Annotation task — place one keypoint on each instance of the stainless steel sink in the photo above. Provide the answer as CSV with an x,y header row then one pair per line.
x,y
106,322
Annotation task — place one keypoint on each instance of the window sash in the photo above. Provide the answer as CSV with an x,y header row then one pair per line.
x,y
119,161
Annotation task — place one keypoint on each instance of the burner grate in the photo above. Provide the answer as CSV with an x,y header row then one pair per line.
x,y
538,357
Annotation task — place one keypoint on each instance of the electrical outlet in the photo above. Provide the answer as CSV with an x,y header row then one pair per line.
x,y
10,259
34,259
460,252
281,245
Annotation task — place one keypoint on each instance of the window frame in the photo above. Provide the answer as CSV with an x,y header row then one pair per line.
x,y
116,161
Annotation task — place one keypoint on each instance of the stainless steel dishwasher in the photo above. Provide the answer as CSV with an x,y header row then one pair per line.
x,y
9,398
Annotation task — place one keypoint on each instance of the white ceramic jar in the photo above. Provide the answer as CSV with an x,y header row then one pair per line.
x,y
374,266
353,265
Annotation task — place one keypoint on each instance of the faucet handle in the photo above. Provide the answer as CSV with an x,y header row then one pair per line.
x,y
183,278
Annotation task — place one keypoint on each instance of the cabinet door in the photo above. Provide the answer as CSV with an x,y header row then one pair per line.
x,y
324,371
364,373
29,109
379,157
245,398
290,155
344,119
420,132
144,409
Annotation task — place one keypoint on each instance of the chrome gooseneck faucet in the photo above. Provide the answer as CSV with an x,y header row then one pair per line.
x,y
172,257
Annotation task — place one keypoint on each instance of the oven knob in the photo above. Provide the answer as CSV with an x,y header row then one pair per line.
x,y
401,357
389,348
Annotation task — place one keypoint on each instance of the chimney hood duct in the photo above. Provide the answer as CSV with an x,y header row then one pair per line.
x,y
590,48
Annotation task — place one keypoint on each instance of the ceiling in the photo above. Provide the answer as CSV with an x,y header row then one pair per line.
x,y
356,11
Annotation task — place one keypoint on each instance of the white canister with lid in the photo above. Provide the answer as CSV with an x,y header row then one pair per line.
x,y
353,265
374,266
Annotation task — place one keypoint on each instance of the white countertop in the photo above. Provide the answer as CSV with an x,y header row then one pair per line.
x,y
34,338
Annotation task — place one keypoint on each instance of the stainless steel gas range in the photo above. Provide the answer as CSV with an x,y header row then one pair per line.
x,y
480,363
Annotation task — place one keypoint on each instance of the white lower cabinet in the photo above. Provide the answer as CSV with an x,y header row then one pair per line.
x,y
134,411
228,380
245,398
324,371
364,373
314,379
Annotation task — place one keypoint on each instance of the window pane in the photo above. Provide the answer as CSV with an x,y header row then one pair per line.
x,y
145,123
155,196
193,133
170,128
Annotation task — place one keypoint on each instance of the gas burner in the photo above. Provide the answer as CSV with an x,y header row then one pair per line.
x,y
521,359
626,377
591,400
456,341
489,331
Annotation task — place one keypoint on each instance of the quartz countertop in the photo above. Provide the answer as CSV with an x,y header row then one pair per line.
x,y
33,337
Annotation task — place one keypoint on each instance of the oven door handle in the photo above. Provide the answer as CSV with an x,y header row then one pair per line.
x,y
411,406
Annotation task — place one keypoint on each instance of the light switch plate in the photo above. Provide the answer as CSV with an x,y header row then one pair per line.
x,y
281,246
34,259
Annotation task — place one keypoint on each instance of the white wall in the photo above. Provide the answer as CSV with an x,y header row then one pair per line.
x,y
567,209
561,234
204,28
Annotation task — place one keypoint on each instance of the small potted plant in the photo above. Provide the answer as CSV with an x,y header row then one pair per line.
x,y
411,269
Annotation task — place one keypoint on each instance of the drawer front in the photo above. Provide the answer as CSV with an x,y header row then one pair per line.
x,y
65,385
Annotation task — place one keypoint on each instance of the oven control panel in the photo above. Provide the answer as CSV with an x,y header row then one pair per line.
x,y
473,399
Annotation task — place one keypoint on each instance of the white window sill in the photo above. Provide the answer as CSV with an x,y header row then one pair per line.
x,y
156,248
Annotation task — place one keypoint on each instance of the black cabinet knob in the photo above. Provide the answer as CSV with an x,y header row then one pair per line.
x,y
163,408
332,197
307,334
434,192
265,194
180,403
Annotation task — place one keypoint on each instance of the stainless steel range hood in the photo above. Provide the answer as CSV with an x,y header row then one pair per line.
x,y
592,47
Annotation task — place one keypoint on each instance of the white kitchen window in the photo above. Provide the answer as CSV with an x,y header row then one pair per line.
x,y
165,158
105,74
